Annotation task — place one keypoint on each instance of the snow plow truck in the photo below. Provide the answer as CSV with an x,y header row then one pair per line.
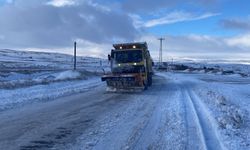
x,y
131,67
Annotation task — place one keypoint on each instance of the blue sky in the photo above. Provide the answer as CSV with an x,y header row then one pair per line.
x,y
209,26
192,28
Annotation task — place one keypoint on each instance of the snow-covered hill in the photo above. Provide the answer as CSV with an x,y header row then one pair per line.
x,y
211,67
26,76
28,61
26,68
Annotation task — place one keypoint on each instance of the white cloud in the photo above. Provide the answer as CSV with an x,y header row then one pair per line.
x,y
177,47
137,20
98,6
56,27
175,17
200,38
89,48
84,48
61,3
242,41
194,46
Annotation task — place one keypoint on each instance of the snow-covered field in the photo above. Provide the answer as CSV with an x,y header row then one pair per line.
x,y
226,103
30,62
31,76
212,67
11,98
25,68
46,105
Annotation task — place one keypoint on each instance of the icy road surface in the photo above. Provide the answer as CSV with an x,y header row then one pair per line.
x,y
169,115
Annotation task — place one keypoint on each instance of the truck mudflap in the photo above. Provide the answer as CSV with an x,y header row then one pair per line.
x,y
123,81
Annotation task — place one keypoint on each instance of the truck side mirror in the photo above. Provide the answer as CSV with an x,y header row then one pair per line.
x,y
109,57
153,63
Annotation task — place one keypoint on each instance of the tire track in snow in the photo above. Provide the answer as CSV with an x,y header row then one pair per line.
x,y
144,129
200,124
149,121
195,137
123,125
164,129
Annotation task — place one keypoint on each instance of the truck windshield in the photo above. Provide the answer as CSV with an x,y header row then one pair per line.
x,y
128,56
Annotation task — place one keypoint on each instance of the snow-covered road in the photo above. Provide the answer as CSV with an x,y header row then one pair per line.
x,y
172,114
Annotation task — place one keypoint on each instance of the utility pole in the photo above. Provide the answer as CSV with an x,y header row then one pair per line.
x,y
160,52
74,55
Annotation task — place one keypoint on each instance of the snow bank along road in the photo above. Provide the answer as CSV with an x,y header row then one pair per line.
x,y
172,114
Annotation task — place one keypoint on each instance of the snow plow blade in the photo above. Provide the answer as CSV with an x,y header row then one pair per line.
x,y
123,81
